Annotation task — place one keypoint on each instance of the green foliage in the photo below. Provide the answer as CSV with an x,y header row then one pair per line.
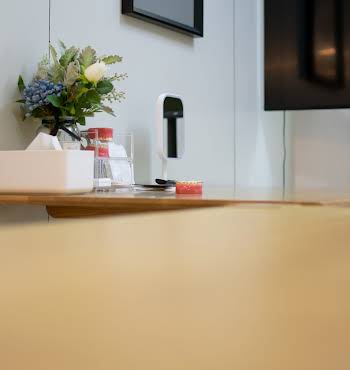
x,y
43,69
55,101
68,56
118,77
57,73
80,90
72,74
112,59
92,97
87,57
53,53
108,110
62,45
79,97
104,87
20,83
81,120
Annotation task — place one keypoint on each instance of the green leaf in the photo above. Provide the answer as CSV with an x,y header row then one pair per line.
x,y
54,100
21,85
57,73
38,113
81,91
22,101
108,110
53,54
43,69
62,45
68,56
93,97
81,120
71,109
104,87
111,59
118,77
88,100
87,57
72,73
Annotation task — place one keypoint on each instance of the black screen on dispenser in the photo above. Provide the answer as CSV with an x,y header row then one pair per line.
x,y
307,54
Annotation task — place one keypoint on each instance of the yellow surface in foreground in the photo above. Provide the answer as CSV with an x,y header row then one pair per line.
x,y
221,289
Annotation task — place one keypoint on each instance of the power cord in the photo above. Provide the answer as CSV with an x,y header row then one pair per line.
x,y
49,51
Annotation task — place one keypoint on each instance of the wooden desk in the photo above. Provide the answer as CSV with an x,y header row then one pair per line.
x,y
236,288
121,202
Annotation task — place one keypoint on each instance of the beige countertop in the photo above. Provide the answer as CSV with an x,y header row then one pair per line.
x,y
253,288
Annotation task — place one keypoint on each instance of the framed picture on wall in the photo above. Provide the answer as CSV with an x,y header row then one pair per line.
x,y
185,16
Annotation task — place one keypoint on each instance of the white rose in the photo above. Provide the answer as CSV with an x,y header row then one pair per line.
x,y
96,71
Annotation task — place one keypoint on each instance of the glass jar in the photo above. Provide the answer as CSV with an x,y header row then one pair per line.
x,y
66,130
113,156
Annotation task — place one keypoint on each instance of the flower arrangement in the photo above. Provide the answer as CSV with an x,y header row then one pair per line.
x,y
73,84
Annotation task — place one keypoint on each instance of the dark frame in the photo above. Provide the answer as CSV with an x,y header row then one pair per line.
x,y
128,8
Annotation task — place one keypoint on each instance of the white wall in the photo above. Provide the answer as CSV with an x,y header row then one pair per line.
x,y
24,38
319,149
157,60
259,145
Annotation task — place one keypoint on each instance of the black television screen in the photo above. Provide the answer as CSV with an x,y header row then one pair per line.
x,y
185,16
181,11
307,54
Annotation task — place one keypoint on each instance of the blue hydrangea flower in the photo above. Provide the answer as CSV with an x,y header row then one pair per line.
x,y
35,94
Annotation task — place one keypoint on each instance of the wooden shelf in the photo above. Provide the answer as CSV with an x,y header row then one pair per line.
x,y
107,203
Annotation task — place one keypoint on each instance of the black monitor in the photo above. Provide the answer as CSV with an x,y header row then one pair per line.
x,y
307,54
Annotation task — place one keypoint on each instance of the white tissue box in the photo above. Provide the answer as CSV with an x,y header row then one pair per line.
x,y
49,171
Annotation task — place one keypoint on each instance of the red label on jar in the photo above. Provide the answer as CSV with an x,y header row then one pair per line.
x,y
102,151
